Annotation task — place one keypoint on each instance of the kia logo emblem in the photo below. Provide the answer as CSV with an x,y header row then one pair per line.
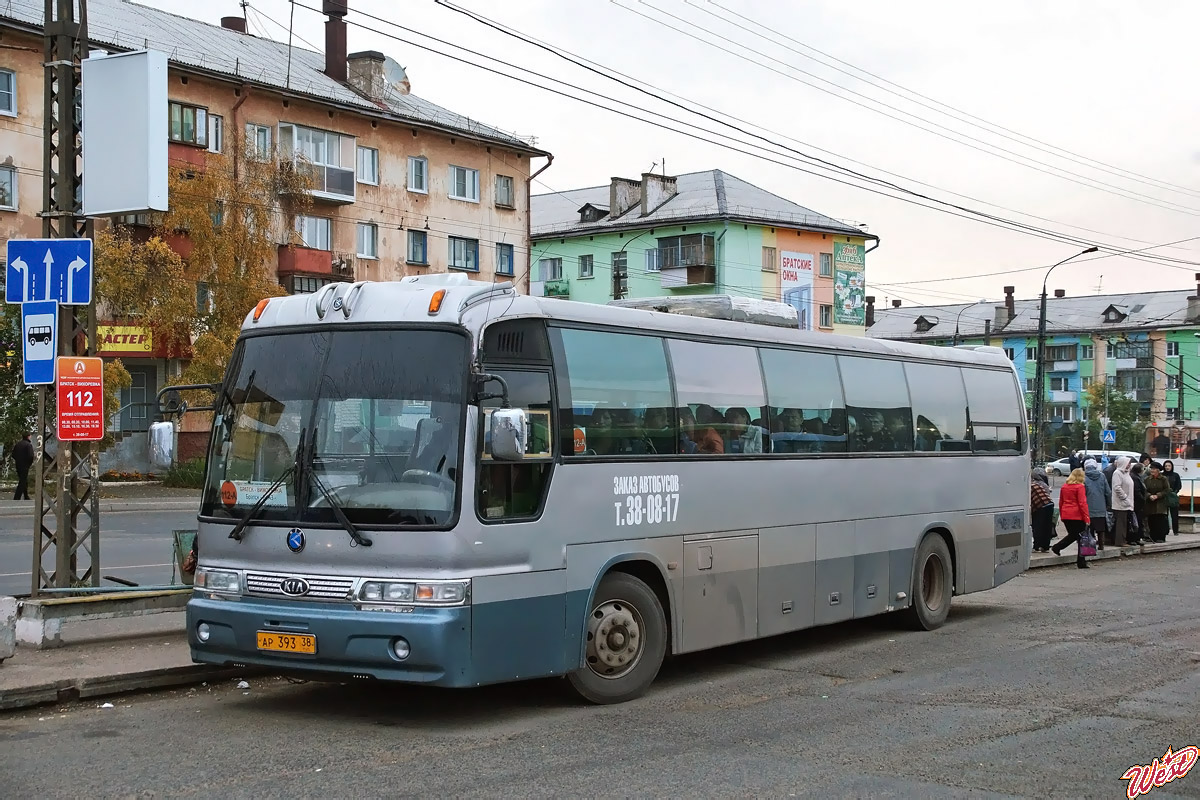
x,y
294,586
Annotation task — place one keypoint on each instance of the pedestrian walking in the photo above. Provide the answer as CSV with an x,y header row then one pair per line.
x,y
1158,488
1173,499
1122,503
22,455
1099,498
1041,510
1073,511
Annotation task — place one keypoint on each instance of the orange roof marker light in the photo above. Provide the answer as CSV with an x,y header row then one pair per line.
x,y
261,307
435,302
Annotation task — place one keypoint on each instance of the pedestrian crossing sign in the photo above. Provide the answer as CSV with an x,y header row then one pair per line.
x,y
1108,437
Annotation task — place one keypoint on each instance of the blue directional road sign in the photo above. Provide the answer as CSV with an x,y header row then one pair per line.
x,y
39,335
49,269
1108,437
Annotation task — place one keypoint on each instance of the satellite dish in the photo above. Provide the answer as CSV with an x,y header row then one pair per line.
x,y
396,77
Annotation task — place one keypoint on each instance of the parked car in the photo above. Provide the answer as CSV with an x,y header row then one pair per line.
x,y
1062,467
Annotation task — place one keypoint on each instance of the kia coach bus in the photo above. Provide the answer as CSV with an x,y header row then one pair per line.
x,y
445,482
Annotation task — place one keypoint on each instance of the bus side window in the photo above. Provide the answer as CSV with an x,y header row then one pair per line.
x,y
517,491
709,377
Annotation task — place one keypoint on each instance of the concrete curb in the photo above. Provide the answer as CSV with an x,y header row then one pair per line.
x,y
1186,541
111,506
68,690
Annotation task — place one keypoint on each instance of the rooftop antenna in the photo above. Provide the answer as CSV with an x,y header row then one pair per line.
x,y
1099,284
291,21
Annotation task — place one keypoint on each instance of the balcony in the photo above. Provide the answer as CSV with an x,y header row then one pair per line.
x,y
328,183
1064,366
558,288
1063,396
304,260
185,155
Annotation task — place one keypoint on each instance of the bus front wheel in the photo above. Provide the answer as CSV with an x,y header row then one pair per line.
x,y
626,641
933,584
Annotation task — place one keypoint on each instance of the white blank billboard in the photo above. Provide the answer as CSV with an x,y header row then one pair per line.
x,y
125,133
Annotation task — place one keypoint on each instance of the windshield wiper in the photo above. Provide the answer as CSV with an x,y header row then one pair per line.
x,y
309,462
239,530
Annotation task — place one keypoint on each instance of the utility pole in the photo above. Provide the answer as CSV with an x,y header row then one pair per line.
x,y
1039,383
75,476
1179,417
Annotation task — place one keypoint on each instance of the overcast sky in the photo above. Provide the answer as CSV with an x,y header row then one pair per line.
x,y
1107,81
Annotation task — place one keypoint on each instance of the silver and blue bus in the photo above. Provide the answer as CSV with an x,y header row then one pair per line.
x,y
445,482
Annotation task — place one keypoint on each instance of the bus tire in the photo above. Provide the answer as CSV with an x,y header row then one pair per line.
x,y
932,584
626,641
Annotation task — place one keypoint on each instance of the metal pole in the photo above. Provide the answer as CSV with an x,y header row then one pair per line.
x,y
1179,411
1039,382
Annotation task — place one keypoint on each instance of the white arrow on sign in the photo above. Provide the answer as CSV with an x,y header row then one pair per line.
x,y
78,265
49,261
20,266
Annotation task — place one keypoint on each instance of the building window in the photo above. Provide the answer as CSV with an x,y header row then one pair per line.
x,y
368,240
1010,353
258,141
504,259
418,251
306,284
418,174
587,266
550,269
204,298
653,260
1086,352
1110,350
464,184
1029,384
1031,353
1086,382
826,265
1172,413
1173,383
464,254
189,124
329,155
8,93
315,232
1062,413
1172,349
216,133
826,320
504,192
368,166
1058,384
1062,352
768,259
8,188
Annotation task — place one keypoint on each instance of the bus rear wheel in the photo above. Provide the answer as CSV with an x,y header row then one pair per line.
x,y
626,641
933,584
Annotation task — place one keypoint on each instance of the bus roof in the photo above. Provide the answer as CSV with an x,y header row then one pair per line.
x,y
475,304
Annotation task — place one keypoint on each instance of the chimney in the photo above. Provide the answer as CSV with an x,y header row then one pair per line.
x,y
987,333
1060,292
1010,305
895,304
366,73
1193,307
234,24
656,190
1000,318
870,310
335,39
623,194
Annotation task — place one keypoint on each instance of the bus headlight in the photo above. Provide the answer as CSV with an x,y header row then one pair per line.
x,y
442,593
217,580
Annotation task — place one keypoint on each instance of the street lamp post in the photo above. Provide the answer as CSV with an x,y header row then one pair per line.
x,y
959,317
1039,383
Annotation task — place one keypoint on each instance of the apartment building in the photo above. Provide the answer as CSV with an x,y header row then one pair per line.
x,y
403,186
700,233
1145,344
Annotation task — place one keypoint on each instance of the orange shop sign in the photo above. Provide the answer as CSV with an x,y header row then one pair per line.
x,y
124,339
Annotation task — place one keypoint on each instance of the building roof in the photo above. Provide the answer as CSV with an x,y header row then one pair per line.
x,y
709,195
119,25
1064,315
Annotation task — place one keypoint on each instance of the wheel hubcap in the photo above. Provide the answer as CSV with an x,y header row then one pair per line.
x,y
614,643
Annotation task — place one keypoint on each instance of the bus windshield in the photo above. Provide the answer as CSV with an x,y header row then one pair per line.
x,y
367,420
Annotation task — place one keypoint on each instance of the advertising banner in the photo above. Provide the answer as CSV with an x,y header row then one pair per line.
x,y
796,285
849,284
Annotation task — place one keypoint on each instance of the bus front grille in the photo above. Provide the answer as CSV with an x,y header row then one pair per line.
x,y
319,587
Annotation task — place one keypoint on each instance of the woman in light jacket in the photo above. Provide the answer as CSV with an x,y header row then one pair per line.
x,y
1073,511
1122,501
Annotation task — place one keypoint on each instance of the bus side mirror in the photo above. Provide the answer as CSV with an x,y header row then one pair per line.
x,y
509,434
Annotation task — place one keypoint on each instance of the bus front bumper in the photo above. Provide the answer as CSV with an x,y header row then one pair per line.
x,y
349,642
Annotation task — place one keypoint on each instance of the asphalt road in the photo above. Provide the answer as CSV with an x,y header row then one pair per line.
x,y
1051,686
135,546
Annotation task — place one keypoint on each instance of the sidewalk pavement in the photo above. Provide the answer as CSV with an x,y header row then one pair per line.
x,y
119,497
112,657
